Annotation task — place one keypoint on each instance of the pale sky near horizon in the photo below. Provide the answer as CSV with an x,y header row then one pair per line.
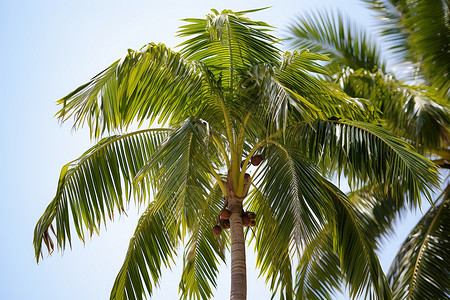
x,y
49,48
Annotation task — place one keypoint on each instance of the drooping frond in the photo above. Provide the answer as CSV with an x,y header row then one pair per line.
x,y
92,187
418,31
293,92
318,274
366,153
183,167
203,251
274,245
303,202
145,84
414,112
331,33
152,246
358,261
421,269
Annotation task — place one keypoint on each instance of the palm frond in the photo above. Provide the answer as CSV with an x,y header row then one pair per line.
x,y
418,31
358,261
152,246
421,269
299,75
366,153
203,251
273,244
293,92
228,41
303,202
145,84
228,44
183,167
412,111
318,274
331,33
92,187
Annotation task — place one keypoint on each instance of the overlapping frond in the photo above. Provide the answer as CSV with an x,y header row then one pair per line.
x,y
366,153
358,261
318,274
229,44
421,269
303,202
293,91
143,85
415,112
203,251
274,245
299,76
418,31
95,185
152,246
331,33
183,167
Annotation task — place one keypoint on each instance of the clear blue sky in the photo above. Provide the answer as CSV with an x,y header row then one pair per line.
x,y
48,49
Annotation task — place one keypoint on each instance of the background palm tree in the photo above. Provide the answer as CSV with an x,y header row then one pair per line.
x,y
229,98
417,109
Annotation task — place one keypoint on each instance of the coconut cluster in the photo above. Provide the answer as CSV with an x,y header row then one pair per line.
x,y
248,219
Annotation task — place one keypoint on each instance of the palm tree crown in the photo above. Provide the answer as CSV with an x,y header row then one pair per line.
x,y
229,99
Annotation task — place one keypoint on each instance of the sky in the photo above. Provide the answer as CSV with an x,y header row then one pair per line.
x,y
49,48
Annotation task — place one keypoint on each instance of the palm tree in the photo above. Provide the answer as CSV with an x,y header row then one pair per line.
x,y
417,110
231,102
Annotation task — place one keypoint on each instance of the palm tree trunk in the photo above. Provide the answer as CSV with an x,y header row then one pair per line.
x,y
238,264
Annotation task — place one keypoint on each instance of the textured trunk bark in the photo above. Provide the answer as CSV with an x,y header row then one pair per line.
x,y
238,264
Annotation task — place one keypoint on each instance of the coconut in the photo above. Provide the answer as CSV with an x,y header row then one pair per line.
x,y
226,224
251,215
225,214
245,220
256,160
252,223
217,230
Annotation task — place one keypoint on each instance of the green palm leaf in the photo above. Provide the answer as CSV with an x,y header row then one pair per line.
x,y
153,245
182,166
421,269
418,31
143,85
229,42
367,153
95,185
274,245
301,199
414,112
203,251
318,274
331,33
